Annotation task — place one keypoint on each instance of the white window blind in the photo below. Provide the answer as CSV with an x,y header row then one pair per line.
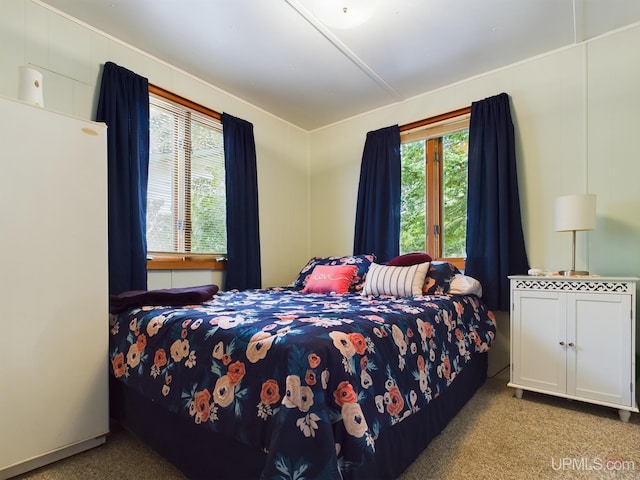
x,y
186,200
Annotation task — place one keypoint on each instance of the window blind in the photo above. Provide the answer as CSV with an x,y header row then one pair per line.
x,y
186,211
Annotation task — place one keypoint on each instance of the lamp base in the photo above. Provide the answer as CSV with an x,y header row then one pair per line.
x,y
573,273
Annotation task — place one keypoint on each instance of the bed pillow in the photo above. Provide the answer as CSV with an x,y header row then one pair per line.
x,y
330,278
362,263
409,259
464,285
397,281
439,276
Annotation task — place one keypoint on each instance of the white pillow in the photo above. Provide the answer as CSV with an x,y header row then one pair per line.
x,y
464,285
397,281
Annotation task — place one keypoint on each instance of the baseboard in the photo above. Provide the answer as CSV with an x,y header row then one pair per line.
x,y
50,457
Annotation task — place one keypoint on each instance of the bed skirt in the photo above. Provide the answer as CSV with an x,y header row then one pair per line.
x,y
206,455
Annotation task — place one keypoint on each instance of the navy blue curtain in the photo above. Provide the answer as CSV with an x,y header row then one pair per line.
x,y
495,242
243,229
124,106
377,227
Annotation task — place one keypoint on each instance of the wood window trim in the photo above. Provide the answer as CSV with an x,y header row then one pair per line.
x,y
434,179
433,184
186,262
180,261
435,119
457,261
161,92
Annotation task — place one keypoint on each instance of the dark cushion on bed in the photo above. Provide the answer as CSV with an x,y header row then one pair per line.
x,y
177,297
361,261
439,278
409,259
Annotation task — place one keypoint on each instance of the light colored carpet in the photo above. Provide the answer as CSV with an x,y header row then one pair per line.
x,y
495,436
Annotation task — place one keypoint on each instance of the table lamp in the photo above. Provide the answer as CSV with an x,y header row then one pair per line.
x,y
574,213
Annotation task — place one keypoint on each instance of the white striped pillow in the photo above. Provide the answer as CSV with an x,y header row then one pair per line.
x,y
397,281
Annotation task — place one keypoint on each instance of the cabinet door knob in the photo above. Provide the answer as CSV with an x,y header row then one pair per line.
x,y
562,343
571,344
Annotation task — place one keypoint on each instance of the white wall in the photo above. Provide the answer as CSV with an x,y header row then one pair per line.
x,y
70,55
576,113
576,116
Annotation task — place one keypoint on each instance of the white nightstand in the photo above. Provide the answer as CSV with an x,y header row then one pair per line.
x,y
574,337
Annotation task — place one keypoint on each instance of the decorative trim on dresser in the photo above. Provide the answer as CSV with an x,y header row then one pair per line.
x,y
588,284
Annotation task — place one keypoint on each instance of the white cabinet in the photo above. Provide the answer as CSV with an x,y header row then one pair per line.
x,y
54,295
575,338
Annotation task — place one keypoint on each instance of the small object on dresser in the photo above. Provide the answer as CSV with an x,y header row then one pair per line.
x,y
535,271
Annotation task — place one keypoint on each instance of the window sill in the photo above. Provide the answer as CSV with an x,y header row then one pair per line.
x,y
457,261
185,263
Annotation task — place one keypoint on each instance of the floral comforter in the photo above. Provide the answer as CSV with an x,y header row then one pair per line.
x,y
310,379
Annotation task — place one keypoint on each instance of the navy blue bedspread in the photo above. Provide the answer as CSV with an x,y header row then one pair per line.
x,y
310,379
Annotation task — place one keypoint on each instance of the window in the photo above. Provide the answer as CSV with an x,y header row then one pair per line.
x,y
186,200
434,186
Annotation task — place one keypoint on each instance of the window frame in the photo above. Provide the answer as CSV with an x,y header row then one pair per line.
x,y
438,125
177,260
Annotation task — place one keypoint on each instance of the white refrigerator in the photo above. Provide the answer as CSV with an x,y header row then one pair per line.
x,y
54,294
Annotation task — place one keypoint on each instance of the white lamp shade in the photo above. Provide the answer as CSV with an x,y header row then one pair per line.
x,y
575,212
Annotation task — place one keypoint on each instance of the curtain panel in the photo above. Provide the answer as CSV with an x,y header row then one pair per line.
x,y
377,228
123,106
243,229
495,241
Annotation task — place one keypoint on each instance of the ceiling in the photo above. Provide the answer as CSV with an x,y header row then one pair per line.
x,y
275,54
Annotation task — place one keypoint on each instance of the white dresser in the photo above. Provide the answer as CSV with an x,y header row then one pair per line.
x,y
54,294
574,337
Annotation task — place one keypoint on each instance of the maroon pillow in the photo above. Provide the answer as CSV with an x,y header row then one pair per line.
x,y
409,259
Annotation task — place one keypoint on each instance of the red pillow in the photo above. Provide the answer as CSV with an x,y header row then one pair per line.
x,y
409,259
330,278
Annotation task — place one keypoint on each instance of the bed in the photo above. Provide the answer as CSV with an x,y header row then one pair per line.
x,y
302,382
